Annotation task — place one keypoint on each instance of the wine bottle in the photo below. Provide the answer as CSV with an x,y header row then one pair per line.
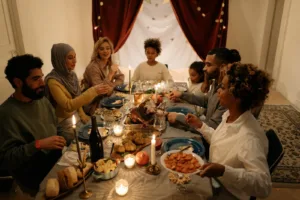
x,y
96,144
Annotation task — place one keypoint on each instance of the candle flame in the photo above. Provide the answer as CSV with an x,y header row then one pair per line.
x,y
74,120
153,137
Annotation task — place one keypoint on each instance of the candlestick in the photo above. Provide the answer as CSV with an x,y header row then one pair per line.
x,y
130,78
86,193
153,159
121,187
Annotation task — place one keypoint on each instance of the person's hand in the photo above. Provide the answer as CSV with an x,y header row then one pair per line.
x,y
85,119
53,142
172,117
193,121
114,68
212,170
102,88
175,94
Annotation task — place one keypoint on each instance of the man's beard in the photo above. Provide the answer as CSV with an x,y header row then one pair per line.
x,y
32,93
213,75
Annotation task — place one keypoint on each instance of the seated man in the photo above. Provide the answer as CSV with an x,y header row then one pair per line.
x,y
29,145
215,63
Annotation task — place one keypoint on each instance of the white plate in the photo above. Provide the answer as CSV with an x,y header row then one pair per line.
x,y
162,161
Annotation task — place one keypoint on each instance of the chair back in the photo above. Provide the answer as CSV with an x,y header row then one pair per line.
x,y
276,151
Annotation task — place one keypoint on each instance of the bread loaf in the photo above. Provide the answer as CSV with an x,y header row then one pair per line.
x,y
52,187
71,176
62,181
87,168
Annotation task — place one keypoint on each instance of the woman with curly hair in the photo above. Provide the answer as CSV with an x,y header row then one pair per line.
x,y
151,69
239,146
102,70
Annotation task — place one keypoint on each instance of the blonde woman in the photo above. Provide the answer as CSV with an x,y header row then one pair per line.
x,y
102,70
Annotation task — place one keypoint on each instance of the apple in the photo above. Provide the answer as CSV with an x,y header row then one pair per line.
x,y
142,158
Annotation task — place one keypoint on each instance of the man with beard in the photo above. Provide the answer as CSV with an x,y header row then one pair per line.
x,y
29,145
216,63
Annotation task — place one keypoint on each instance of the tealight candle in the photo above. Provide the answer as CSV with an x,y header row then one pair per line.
x,y
129,160
118,130
121,187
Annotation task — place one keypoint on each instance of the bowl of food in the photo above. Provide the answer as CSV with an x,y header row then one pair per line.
x,y
105,169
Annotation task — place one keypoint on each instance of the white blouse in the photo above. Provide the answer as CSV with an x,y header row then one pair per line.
x,y
242,147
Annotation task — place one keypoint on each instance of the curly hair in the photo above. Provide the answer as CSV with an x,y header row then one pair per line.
x,y
249,84
198,67
153,43
20,67
97,45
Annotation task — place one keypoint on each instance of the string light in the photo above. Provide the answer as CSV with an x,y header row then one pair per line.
x,y
203,15
101,3
96,27
99,17
198,8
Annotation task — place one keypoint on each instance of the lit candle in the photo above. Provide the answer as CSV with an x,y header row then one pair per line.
x,y
76,138
118,130
153,159
121,187
129,160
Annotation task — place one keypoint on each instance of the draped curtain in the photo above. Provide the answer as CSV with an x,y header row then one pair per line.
x,y
203,22
114,19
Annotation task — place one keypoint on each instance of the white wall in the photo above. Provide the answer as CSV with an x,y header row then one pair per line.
x,y
44,23
287,74
249,28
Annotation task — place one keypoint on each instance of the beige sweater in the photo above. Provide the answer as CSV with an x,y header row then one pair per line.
x,y
158,72
65,105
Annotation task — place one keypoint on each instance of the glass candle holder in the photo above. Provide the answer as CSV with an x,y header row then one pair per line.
x,y
118,130
129,160
121,187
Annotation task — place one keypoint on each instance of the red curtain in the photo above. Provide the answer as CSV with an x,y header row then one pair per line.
x,y
203,22
114,19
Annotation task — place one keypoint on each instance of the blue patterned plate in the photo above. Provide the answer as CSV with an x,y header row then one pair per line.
x,y
84,131
178,143
122,88
182,110
112,102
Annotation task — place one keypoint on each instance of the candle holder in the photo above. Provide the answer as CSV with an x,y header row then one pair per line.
x,y
85,194
121,187
153,169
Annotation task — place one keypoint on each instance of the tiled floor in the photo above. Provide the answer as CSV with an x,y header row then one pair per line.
x,y
279,191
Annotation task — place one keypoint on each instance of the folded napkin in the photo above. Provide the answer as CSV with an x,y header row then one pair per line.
x,y
70,158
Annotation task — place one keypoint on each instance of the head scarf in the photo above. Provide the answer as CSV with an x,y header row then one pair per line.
x,y
60,72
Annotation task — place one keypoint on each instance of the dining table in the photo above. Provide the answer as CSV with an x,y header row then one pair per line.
x,y
141,184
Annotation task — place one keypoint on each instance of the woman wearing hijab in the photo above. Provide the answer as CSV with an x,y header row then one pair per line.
x,y
101,69
63,90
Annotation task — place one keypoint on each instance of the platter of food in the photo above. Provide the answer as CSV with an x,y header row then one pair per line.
x,y
132,143
67,180
184,162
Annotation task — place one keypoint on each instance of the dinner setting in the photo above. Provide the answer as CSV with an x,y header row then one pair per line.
x,y
142,111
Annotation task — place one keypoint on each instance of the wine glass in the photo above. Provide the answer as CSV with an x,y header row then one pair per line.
x,y
159,123
108,124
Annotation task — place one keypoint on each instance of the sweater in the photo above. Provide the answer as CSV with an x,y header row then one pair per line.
x,y
65,105
22,124
158,72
